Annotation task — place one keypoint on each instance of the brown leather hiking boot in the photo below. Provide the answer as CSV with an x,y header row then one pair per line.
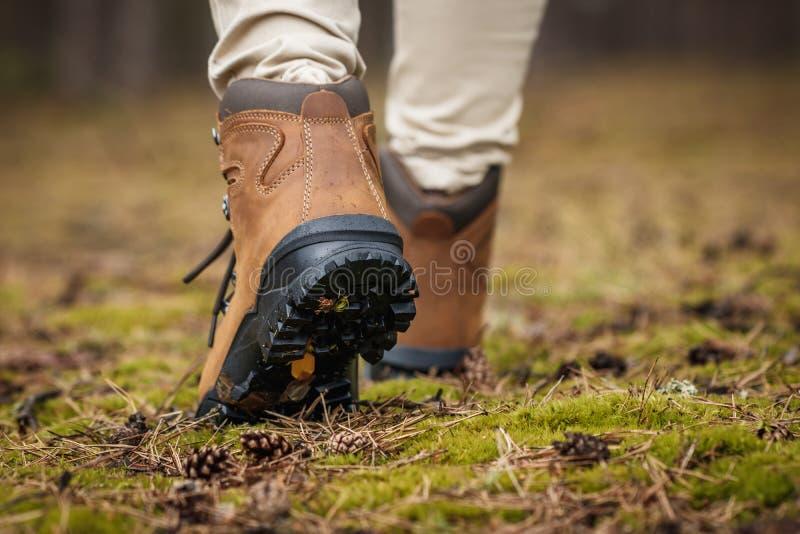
x,y
448,241
317,269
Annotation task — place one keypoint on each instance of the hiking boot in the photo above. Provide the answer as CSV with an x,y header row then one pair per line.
x,y
317,271
448,240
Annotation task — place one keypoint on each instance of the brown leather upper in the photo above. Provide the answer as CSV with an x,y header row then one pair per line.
x,y
284,169
450,256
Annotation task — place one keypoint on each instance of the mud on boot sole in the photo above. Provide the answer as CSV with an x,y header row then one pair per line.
x,y
334,288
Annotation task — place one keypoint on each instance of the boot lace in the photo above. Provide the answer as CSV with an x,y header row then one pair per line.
x,y
222,299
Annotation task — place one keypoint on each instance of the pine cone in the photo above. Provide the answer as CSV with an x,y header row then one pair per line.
x,y
269,501
602,361
583,446
133,432
347,442
712,351
207,463
192,500
265,445
475,369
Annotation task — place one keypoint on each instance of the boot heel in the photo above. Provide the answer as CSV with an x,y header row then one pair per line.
x,y
333,289
354,298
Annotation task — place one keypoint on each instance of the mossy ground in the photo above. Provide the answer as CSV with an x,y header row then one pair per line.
x,y
637,193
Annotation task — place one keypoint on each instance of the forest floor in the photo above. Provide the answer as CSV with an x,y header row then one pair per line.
x,y
659,210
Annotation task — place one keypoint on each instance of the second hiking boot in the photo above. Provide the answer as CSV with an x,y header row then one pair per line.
x,y
317,271
448,240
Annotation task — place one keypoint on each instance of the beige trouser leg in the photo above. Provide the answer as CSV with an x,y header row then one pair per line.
x,y
454,85
311,41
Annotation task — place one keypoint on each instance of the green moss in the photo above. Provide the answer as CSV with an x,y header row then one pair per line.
x,y
12,299
598,478
341,459
142,366
633,520
725,440
588,319
474,440
371,489
119,321
667,447
110,404
439,514
204,435
766,478
185,397
416,389
146,330
56,415
505,352
84,519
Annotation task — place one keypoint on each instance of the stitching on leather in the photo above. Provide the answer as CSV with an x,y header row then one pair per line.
x,y
273,185
232,120
276,144
308,164
262,170
360,154
249,128
327,120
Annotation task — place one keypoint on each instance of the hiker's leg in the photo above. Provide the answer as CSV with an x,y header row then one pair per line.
x,y
455,83
453,105
317,276
309,41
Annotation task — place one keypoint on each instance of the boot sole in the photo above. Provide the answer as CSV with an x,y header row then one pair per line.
x,y
337,287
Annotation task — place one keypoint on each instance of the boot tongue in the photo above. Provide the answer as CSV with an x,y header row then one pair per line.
x,y
324,104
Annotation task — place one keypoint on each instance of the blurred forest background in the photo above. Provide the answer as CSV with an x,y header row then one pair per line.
x,y
78,47
655,192
632,107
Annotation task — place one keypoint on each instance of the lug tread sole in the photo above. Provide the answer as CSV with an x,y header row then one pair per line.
x,y
366,323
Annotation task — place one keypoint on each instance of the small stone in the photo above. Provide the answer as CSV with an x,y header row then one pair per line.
x,y
297,390
680,387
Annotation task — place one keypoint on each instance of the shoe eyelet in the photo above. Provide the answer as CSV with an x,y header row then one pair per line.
x,y
226,207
